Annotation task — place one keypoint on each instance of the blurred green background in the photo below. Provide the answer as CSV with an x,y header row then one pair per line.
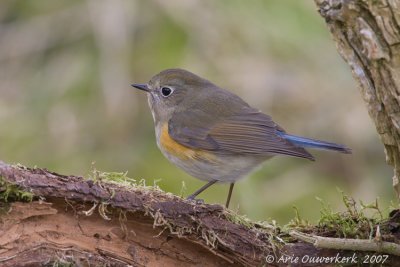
x,y
66,101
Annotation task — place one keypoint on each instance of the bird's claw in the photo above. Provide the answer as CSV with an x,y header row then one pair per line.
x,y
196,200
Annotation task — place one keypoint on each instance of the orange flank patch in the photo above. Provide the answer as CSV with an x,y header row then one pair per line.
x,y
181,151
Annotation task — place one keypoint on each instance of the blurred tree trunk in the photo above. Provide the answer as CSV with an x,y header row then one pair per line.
x,y
367,36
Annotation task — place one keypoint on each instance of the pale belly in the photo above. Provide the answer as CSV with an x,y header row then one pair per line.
x,y
221,168
205,165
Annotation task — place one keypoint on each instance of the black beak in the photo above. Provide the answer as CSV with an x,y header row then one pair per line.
x,y
141,86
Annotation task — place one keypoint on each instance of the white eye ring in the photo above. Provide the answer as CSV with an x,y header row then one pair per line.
x,y
166,91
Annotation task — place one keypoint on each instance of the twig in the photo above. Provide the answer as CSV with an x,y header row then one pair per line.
x,y
348,244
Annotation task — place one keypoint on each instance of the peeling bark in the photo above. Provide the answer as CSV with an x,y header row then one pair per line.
x,y
367,36
111,223
87,222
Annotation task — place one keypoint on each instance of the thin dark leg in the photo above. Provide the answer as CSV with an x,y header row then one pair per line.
x,y
229,195
204,187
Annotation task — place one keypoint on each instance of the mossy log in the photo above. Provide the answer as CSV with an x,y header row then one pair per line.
x,y
49,218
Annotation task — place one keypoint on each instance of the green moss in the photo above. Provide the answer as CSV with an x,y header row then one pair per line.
x,y
238,219
11,192
298,221
352,223
120,178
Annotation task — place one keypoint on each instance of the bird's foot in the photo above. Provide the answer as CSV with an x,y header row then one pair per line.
x,y
196,200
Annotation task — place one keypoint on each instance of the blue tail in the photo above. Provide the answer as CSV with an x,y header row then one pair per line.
x,y
312,143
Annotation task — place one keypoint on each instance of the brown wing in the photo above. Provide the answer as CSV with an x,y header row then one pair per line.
x,y
247,132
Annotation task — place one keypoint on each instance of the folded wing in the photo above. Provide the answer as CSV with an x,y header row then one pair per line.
x,y
246,132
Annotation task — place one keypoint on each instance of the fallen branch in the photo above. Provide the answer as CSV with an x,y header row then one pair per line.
x,y
73,219
348,243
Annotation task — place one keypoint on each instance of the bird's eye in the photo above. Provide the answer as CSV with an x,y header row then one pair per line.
x,y
166,91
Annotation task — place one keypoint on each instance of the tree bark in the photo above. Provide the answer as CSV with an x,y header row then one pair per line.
x,y
367,36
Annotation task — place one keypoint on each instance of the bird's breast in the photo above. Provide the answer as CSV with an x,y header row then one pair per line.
x,y
172,148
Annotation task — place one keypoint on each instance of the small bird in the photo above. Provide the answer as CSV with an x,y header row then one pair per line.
x,y
213,134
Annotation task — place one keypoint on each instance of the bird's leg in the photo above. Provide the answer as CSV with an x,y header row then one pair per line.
x,y
229,195
204,187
